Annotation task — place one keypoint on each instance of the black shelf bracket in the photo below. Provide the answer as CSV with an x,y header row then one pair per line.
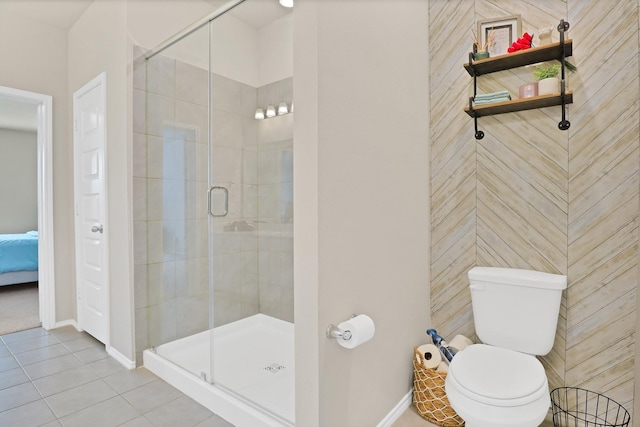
x,y
478,133
564,124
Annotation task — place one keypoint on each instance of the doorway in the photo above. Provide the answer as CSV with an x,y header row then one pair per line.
x,y
42,104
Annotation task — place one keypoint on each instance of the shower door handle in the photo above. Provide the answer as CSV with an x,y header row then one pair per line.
x,y
210,196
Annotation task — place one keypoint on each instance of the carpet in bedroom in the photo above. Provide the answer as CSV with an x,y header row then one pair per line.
x,y
18,307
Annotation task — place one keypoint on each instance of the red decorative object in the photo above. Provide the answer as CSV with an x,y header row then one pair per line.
x,y
522,43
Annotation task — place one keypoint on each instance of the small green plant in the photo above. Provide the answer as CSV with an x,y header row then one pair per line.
x,y
547,71
542,72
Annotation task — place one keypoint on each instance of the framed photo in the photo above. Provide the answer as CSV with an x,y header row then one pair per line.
x,y
506,31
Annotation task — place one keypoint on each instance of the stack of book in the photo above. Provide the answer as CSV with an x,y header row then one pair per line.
x,y
490,98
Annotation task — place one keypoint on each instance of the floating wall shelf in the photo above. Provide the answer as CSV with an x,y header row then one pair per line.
x,y
521,58
520,104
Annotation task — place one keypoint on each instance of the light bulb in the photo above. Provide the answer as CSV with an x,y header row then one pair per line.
x,y
282,108
271,111
259,114
286,3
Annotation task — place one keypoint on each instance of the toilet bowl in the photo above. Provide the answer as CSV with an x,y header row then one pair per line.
x,y
490,386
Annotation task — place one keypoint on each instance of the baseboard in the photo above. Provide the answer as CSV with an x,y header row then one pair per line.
x,y
122,359
70,322
397,410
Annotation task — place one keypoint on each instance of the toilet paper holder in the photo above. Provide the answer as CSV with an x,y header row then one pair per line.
x,y
334,332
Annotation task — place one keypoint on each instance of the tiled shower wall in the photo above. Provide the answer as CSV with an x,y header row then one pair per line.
x,y
531,196
252,246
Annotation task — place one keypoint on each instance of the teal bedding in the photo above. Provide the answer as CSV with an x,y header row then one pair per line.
x,y
19,252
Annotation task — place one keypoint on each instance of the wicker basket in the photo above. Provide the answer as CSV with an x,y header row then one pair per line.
x,y
429,396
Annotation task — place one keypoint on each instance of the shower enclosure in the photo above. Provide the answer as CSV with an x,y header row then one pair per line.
x,y
213,211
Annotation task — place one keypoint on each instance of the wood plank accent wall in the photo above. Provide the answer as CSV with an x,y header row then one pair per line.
x,y
603,198
531,196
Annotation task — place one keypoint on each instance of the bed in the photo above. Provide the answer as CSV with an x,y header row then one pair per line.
x,y
18,258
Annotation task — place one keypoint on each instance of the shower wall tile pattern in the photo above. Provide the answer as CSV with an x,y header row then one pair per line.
x,y
170,245
235,253
531,196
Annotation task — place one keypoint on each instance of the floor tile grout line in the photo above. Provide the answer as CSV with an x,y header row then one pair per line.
x,y
44,399
99,378
93,404
37,348
3,337
38,361
46,360
100,375
31,381
118,394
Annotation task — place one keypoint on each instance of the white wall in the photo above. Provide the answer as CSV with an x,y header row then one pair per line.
x,y
361,203
150,23
241,53
275,50
18,181
33,57
97,43
235,49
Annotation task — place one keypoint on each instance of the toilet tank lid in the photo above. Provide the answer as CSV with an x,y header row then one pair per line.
x,y
519,277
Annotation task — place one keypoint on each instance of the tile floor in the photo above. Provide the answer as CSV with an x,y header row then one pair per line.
x,y
65,378
410,418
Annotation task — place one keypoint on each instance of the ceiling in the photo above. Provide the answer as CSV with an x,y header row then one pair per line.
x,y
258,15
64,13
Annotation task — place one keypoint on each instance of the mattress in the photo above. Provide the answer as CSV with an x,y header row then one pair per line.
x,y
18,252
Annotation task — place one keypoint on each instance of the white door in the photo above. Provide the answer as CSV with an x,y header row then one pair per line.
x,y
92,275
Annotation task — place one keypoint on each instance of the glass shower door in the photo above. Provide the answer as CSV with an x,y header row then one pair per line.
x,y
219,205
178,290
251,219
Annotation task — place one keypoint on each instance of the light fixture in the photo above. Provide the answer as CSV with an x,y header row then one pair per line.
x,y
282,108
271,111
286,3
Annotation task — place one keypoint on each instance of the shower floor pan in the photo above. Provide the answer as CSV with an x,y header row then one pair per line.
x,y
253,370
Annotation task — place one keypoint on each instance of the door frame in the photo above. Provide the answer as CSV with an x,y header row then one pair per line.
x,y
46,267
99,81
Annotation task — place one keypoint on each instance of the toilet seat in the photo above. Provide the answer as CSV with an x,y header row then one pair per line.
x,y
497,376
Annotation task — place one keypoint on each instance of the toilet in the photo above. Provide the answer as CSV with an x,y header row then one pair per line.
x,y
500,383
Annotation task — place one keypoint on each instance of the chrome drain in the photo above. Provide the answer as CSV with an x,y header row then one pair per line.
x,y
274,368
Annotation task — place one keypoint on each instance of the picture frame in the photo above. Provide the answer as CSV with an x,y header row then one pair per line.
x,y
507,30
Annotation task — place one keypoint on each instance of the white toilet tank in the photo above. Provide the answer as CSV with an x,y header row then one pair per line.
x,y
516,309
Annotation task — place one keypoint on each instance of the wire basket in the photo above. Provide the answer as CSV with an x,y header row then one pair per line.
x,y
577,407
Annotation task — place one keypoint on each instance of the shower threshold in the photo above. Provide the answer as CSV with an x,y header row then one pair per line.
x,y
253,370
